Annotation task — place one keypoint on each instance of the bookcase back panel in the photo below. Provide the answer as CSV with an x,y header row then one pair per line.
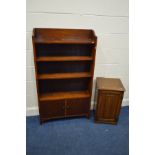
x,y
63,50
63,67
60,85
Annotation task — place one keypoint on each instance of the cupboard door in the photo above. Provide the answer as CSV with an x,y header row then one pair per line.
x,y
77,107
52,109
108,105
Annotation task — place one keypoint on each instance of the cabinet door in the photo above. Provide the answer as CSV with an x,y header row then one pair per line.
x,y
77,107
52,109
108,105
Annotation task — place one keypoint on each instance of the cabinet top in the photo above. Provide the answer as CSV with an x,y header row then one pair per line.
x,y
64,36
109,84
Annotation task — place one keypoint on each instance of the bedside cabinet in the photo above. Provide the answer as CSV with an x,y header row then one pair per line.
x,y
109,95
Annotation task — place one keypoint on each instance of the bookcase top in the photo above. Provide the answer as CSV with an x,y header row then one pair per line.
x,y
64,36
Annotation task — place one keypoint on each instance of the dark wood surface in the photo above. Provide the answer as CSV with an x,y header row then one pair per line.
x,y
64,75
65,36
109,99
109,84
55,50
63,85
64,65
77,107
64,108
52,109
64,95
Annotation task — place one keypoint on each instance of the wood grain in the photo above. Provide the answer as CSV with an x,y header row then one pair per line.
x,y
109,99
64,75
64,36
64,95
109,84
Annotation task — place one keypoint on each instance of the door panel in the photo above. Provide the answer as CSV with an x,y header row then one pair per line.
x,y
52,109
108,105
77,107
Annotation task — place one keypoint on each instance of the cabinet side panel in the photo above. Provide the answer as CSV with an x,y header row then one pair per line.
x,y
93,50
35,65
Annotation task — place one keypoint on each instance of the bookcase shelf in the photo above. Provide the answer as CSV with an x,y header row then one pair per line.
x,y
64,95
64,58
64,75
64,65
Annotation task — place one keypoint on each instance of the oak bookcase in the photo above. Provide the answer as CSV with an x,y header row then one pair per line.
x,y
64,67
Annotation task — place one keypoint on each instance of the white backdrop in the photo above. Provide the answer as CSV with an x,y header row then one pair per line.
x,y
109,19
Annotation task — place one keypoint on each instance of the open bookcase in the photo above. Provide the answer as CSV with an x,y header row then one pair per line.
x,y
64,66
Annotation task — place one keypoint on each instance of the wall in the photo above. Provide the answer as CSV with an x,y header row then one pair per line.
x,y
109,19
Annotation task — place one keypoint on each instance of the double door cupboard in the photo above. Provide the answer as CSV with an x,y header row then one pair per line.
x,y
64,67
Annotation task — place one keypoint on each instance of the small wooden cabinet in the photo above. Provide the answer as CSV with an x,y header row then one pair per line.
x,y
109,95
64,65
